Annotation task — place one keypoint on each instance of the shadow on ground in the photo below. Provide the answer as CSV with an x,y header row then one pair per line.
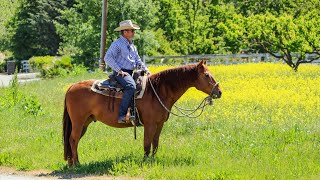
x,y
98,168
116,166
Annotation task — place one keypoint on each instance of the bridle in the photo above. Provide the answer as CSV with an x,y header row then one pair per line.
x,y
206,101
212,95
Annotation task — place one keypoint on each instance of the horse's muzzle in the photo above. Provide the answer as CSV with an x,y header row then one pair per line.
x,y
217,94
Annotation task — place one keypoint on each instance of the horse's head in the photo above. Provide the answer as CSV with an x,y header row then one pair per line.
x,y
205,81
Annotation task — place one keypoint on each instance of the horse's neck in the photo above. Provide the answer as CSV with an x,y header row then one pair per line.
x,y
176,94
175,85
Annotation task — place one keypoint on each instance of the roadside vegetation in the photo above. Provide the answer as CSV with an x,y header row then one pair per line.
x,y
265,126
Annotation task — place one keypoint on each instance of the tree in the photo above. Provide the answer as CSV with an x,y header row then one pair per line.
x,y
295,39
7,11
190,25
81,35
286,35
295,8
33,31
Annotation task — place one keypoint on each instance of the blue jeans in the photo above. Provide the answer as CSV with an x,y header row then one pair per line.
x,y
128,93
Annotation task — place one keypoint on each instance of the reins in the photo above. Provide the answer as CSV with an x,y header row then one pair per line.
x,y
206,101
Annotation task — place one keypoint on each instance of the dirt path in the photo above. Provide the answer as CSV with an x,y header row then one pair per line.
x,y
12,174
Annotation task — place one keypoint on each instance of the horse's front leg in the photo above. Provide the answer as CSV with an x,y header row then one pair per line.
x,y
155,141
149,132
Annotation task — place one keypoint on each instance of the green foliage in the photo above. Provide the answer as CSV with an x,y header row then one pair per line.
x,y
64,62
41,62
83,30
81,35
52,66
31,105
7,11
2,66
233,32
293,7
14,95
272,34
78,69
32,29
73,27
13,99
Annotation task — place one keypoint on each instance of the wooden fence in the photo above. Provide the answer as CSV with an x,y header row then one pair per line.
x,y
217,58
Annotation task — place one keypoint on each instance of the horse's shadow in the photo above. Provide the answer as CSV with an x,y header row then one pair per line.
x,y
108,166
97,168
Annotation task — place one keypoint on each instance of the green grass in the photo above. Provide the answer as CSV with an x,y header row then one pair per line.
x,y
266,126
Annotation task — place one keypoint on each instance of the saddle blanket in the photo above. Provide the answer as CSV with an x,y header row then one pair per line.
x,y
117,92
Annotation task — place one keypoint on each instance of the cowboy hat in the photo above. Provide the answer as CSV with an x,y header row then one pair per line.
x,y
126,24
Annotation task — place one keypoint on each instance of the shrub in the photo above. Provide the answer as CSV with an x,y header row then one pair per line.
x,y
50,66
2,66
78,69
54,72
64,62
41,62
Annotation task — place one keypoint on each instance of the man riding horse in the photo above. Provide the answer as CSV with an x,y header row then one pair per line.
x,y
122,56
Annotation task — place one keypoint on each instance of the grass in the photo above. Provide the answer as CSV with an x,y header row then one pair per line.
x,y
266,126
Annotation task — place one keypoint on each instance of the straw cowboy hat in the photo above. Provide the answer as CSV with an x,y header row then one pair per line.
x,y
126,24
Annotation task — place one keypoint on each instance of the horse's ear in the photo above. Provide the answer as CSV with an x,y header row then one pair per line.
x,y
200,66
200,63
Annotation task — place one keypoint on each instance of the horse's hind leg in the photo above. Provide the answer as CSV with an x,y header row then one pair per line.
x,y
74,141
86,124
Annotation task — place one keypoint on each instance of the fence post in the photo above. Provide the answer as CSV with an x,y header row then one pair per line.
x,y
144,59
307,56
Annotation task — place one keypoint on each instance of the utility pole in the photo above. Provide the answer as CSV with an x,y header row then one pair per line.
x,y
104,15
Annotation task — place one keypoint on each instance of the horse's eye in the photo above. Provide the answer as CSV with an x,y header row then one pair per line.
x,y
207,75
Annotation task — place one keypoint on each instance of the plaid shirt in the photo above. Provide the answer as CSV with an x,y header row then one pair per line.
x,y
123,55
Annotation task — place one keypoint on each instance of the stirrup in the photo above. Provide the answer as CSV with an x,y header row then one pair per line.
x,y
132,118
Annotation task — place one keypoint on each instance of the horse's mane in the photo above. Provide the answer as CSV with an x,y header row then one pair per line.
x,y
175,78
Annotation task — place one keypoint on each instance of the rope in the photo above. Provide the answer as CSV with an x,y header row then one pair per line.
x,y
203,103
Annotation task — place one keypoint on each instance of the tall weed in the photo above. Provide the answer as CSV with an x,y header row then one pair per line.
x,y
13,98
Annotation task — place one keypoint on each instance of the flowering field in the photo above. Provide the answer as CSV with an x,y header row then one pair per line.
x,y
265,93
265,126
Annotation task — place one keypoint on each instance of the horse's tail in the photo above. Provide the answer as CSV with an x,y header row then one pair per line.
x,y
67,128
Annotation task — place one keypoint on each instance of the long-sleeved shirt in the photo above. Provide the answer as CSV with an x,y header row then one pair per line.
x,y
122,54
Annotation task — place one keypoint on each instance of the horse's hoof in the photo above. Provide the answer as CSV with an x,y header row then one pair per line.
x,y
76,164
145,158
70,162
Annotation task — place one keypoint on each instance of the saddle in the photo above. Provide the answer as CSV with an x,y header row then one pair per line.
x,y
113,89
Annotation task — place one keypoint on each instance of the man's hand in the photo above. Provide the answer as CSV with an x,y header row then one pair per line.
x,y
123,74
148,73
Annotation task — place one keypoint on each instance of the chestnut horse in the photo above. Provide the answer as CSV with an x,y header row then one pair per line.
x,y
82,106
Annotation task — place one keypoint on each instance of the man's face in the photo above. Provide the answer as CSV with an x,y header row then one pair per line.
x,y
128,33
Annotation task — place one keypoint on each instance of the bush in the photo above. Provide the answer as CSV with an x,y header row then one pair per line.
x,y
54,72
51,66
64,62
39,63
78,69
2,66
